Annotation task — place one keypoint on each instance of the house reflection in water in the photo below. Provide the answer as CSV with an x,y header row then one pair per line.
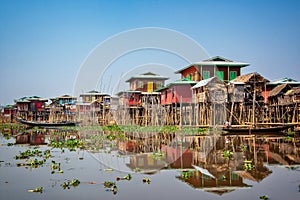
x,y
229,182
147,163
207,152
32,138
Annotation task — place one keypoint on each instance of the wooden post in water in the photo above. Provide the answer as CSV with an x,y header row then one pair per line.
x,y
180,113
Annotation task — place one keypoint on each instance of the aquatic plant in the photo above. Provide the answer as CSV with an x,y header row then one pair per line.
x,y
38,189
128,178
74,183
158,155
55,166
28,153
288,138
111,137
10,144
71,144
244,147
146,180
137,170
32,163
248,166
186,174
227,154
109,184
264,197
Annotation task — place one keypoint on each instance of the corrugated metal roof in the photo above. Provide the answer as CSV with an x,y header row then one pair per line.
x,y
284,80
148,75
206,81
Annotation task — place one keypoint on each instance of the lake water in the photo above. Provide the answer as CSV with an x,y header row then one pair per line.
x,y
229,167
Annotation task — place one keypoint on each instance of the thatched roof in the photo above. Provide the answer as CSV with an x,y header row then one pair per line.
x,y
293,91
250,78
278,89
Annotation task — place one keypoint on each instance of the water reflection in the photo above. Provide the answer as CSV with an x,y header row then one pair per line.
x,y
249,157
31,137
213,163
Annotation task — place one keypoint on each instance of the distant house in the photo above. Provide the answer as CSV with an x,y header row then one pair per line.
x,y
130,98
276,96
293,95
9,112
93,95
210,96
274,83
32,108
93,99
252,81
235,92
211,90
177,92
225,69
147,82
65,103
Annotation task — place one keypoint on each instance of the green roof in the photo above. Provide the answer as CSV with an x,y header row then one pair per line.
x,y
148,75
28,99
215,61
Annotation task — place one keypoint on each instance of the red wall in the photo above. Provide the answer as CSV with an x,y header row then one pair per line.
x,y
175,92
191,70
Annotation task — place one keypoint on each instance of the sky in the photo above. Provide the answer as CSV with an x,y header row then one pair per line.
x,y
45,43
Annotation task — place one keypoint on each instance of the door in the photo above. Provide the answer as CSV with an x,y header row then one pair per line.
x,y
150,87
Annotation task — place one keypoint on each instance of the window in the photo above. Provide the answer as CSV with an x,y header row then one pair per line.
x,y
232,75
196,76
158,84
206,75
140,84
220,75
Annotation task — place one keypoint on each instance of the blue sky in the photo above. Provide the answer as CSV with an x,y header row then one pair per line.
x,y
44,43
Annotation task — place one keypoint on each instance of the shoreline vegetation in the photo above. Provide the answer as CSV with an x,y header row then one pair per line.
x,y
117,129
121,129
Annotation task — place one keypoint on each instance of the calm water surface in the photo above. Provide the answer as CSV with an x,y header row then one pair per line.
x,y
168,160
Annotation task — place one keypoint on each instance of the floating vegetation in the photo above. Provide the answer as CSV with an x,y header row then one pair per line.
x,y
288,138
28,153
111,137
186,174
71,144
55,166
146,180
112,128
248,166
35,163
264,197
128,178
10,144
111,187
158,155
227,154
244,147
137,170
68,184
38,189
